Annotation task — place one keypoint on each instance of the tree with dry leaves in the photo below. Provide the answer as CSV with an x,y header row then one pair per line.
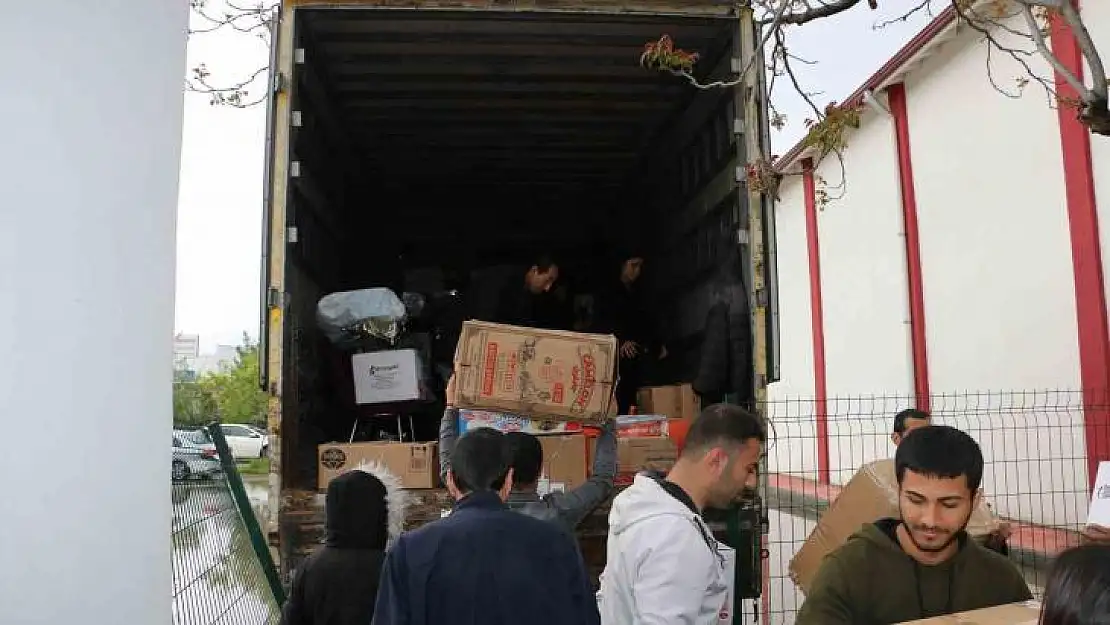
x,y
993,20
778,20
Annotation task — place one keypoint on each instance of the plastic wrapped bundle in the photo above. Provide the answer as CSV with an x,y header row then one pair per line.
x,y
351,316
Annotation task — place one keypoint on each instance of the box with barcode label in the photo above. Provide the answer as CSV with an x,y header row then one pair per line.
x,y
415,464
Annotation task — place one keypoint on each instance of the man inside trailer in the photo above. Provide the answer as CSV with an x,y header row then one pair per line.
x,y
623,312
521,302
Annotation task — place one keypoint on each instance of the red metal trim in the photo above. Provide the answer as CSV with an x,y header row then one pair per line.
x,y
817,313
1086,255
896,97
888,70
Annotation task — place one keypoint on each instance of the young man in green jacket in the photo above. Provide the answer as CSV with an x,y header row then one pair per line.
x,y
922,564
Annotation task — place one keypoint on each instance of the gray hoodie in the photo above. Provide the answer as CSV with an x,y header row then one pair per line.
x,y
566,509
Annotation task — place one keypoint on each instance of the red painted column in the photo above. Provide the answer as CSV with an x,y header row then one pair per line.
x,y
896,96
817,312
1086,254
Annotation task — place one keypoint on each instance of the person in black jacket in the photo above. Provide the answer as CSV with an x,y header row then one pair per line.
x,y
337,584
520,302
484,564
623,312
726,365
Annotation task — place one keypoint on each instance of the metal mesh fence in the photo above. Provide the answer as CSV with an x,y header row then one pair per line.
x,y
1035,479
222,574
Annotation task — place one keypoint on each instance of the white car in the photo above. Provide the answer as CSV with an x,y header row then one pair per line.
x,y
193,457
244,441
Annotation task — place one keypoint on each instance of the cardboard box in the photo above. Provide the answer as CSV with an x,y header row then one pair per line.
x,y
642,426
545,374
504,422
1023,613
870,495
678,401
1099,511
640,454
385,377
564,463
415,464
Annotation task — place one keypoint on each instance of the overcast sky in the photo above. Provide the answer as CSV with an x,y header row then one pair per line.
x,y
220,206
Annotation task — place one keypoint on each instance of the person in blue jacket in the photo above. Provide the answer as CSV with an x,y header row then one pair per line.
x,y
484,564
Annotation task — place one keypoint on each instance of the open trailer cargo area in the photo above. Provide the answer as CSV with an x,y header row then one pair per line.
x,y
410,139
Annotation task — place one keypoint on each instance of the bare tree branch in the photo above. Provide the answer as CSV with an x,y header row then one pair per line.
x,y
1042,47
1087,48
255,20
923,5
822,10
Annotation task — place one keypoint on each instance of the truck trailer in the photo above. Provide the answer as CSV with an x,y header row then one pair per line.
x,y
406,135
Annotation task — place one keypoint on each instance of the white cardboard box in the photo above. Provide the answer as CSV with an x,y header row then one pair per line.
x,y
384,377
1099,512
726,616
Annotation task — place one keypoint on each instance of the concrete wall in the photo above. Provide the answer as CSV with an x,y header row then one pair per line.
x,y
93,103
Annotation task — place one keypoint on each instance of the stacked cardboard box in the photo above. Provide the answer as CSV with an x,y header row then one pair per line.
x,y
542,374
415,464
642,444
1023,613
677,401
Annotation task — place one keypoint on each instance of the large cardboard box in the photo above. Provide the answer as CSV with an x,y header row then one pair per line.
x,y
564,463
640,454
678,401
415,464
385,377
1023,613
504,422
541,374
870,495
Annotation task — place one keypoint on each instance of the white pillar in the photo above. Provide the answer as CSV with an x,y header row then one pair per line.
x,y
90,135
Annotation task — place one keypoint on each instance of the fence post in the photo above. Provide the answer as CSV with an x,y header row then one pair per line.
x,y
243,504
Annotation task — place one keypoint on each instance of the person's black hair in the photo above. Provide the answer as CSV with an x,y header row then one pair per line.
x,y
940,451
480,461
1078,588
527,460
907,414
723,425
544,262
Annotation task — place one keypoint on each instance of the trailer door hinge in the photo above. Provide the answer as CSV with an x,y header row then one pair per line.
x,y
273,298
761,298
278,84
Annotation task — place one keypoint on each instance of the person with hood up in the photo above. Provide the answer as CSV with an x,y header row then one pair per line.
x,y
337,585
923,564
484,564
663,566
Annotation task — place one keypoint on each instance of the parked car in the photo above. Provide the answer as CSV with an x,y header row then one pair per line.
x,y
192,457
244,441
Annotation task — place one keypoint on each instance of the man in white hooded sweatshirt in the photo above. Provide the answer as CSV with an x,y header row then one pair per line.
x,y
663,565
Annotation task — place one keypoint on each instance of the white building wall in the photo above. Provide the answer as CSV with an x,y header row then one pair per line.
x,y
995,246
864,288
1096,15
791,407
998,281
93,102
998,284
